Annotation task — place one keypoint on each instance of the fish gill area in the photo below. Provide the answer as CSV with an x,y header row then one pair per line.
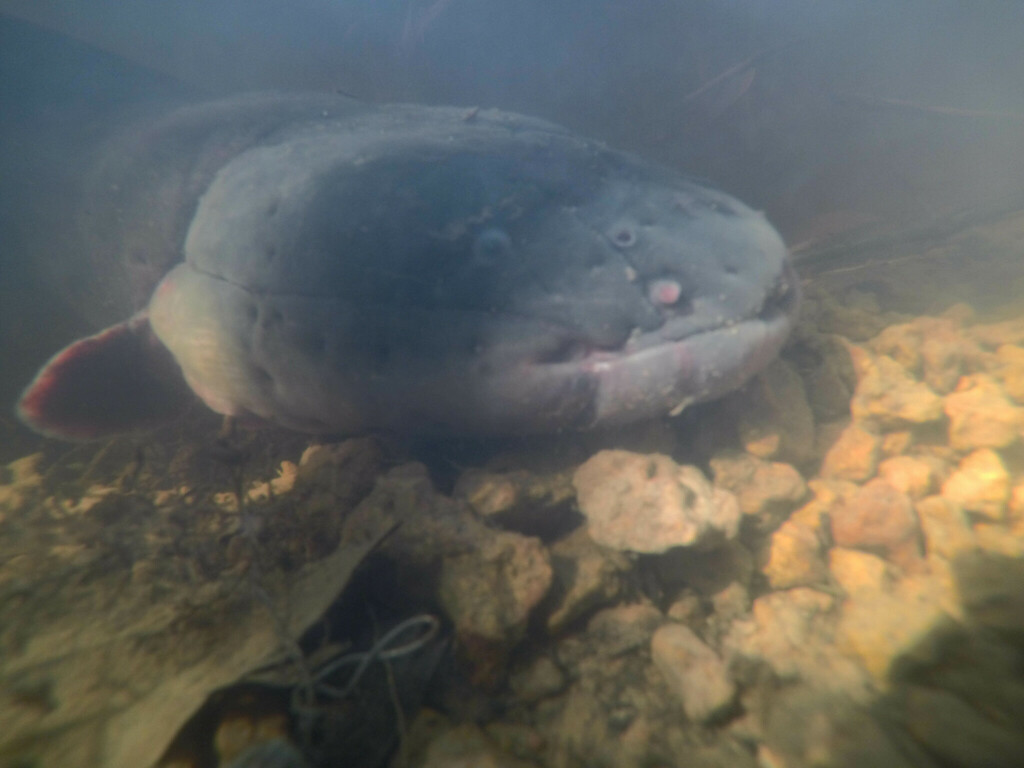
x,y
823,569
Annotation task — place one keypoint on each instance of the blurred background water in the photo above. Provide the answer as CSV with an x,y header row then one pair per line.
x,y
882,138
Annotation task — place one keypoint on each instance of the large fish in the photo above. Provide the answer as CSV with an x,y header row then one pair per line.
x,y
425,270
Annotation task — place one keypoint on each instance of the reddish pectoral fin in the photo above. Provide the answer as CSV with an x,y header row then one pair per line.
x,y
119,380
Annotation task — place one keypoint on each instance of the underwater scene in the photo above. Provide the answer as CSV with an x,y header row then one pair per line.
x,y
511,384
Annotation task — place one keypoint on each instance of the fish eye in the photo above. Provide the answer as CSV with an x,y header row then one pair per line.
x,y
490,246
623,235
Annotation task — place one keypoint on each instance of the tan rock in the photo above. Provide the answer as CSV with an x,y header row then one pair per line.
x,y
488,493
943,353
1010,354
1011,371
857,571
852,455
586,576
996,538
878,628
518,501
538,680
827,493
693,671
980,415
766,490
774,417
930,348
914,477
980,484
489,595
686,609
650,504
947,532
998,334
886,394
624,627
901,342
896,443
877,517
794,557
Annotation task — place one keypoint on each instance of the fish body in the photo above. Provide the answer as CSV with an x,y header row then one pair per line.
x,y
349,268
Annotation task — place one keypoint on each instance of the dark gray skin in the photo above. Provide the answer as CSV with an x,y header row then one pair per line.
x,y
351,268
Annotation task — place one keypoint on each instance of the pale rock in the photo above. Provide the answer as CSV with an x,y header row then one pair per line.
x,y
947,532
913,476
693,671
774,417
650,504
851,454
794,557
857,571
980,484
980,416
886,394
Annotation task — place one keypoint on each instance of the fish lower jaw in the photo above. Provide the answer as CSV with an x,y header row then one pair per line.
x,y
667,378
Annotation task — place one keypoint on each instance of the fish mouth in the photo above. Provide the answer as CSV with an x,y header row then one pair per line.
x,y
685,361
